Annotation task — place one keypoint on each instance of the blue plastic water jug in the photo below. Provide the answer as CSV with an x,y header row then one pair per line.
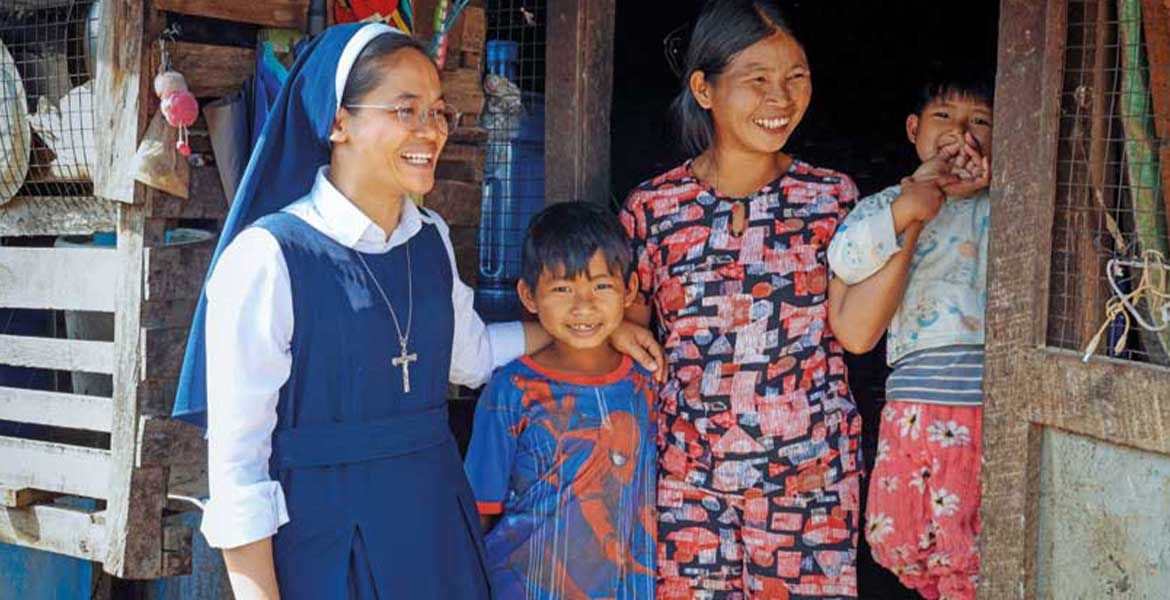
x,y
513,191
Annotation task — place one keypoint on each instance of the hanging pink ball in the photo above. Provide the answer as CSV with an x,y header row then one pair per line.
x,y
183,148
180,108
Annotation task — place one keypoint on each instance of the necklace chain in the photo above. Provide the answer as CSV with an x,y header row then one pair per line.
x,y
402,338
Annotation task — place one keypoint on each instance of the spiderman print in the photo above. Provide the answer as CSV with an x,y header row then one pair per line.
x,y
567,461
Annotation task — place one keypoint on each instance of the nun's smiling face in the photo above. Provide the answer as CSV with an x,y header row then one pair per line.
x,y
394,138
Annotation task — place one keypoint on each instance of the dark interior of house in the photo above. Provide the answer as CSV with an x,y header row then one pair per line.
x,y
867,60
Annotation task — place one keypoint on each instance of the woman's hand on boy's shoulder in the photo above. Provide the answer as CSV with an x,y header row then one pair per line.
x,y
639,343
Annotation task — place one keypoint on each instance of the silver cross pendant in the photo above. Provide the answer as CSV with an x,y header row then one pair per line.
x,y
403,360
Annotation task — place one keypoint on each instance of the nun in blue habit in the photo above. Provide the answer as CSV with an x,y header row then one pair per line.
x,y
332,321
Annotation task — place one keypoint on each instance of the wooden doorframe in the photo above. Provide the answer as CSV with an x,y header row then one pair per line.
x,y
578,95
1030,387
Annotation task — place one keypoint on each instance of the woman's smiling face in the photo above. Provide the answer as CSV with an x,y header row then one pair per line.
x,y
760,97
402,155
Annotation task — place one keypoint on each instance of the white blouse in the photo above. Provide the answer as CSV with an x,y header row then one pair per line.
x,y
248,334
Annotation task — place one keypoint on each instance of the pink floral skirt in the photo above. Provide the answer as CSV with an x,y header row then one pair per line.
x,y
923,509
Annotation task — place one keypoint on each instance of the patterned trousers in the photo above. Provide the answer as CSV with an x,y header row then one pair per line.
x,y
713,545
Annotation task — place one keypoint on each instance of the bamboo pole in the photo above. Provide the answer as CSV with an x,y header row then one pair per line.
x,y
1141,165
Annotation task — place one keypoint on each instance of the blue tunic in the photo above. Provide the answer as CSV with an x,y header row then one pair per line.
x,y
376,495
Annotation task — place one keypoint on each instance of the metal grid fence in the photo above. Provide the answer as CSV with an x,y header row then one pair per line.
x,y
46,97
1111,185
514,170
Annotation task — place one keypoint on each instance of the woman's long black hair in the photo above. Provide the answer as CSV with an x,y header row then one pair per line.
x,y
724,28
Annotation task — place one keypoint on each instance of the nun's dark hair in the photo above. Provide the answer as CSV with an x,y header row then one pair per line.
x,y
365,74
724,28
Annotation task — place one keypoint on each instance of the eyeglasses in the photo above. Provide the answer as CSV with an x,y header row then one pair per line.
x,y
445,119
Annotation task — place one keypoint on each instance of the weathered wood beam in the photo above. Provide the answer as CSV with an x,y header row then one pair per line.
x,y
122,98
162,351
213,71
1028,87
1121,402
136,496
285,14
578,94
168,442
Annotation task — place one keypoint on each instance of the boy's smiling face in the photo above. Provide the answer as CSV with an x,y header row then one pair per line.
x,y
580,312
943,123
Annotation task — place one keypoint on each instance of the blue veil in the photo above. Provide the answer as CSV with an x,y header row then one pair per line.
x,y
293,145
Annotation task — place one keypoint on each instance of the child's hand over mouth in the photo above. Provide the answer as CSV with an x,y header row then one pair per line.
x,y
972,169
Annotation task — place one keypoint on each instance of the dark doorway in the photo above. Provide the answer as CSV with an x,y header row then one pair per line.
x,y
867,60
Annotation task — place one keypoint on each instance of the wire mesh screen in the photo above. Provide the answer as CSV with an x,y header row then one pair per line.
x,y
514,166
46,97
1110,236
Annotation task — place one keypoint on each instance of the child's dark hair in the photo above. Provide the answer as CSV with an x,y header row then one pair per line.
x,y
724,28
952,82
366,74
563,237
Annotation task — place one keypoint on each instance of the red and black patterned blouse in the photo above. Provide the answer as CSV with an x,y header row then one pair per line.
x,y
756,396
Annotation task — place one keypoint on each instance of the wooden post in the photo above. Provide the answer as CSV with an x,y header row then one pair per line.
x,y
1031,44
124,96
578,92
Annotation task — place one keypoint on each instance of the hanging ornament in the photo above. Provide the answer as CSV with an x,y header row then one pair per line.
x,y
440,52
178,104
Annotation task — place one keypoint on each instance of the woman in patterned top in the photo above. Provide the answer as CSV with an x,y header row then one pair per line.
x,y
758,453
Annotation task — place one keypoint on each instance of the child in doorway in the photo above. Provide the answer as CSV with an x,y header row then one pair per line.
x,y
913,258
562,450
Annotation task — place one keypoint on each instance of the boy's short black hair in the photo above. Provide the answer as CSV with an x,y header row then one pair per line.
x,y
949,82
568,234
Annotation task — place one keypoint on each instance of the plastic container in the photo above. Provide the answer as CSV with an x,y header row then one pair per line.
x,y
503,58
513,191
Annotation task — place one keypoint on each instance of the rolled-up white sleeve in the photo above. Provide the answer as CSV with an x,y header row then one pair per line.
x,y
866,240
248,334
477,349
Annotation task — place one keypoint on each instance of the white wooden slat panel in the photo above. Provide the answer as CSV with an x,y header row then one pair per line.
x,y
58,278
51,353
54,467
62,529
75,411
